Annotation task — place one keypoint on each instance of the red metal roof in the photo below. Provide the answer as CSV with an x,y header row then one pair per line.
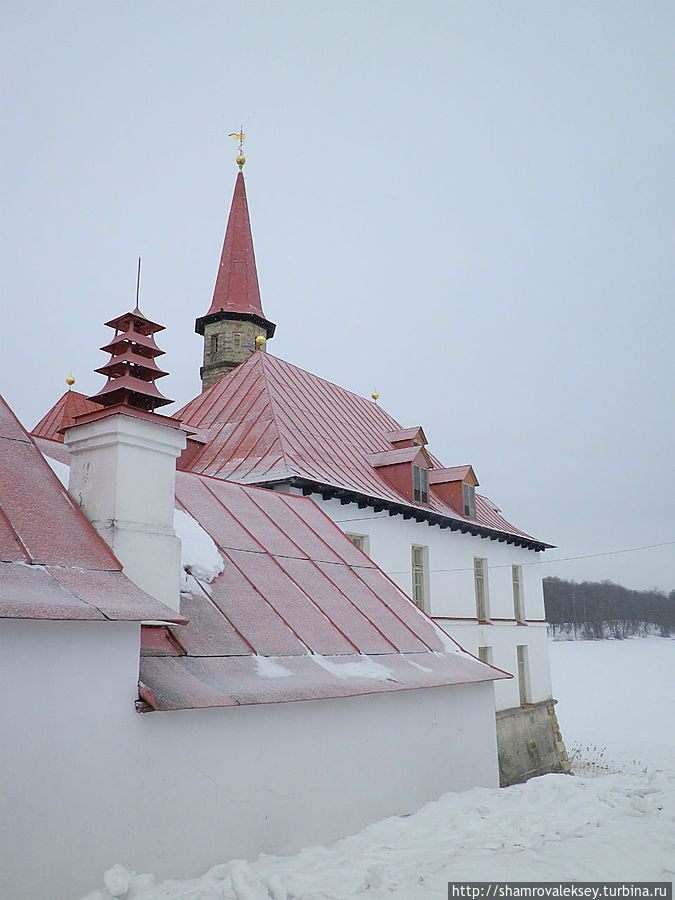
x,y
298,613
406,434
452,473
270,421
393,457
53,565
63,414
237,282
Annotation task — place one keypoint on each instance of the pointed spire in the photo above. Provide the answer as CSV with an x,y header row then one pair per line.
x,y
234,326
237,282
237,292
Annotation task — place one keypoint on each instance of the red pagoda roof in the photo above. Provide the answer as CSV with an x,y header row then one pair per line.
x,y
53,564
269,421
62,415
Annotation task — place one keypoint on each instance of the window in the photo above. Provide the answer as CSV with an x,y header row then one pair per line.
x,y
215,341
517,594
479,578
359,540
418,585
236,341
485,654
469,498
420,485
523,674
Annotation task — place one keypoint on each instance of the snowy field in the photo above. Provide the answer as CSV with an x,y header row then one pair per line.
x,y
615,820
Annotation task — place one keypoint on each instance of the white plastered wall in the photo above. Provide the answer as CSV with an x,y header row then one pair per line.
x,y
86,781
122,475
451,595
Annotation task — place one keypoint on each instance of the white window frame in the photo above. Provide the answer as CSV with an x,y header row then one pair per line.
x,y
423,570
469,493
421,492
362,541
517,586
483,594
484,654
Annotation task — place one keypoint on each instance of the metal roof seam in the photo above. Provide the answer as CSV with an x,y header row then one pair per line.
x,y
224,615
288,574
212,449
20,542
344,562
212,395
273,409
271,426
313,562
396,587
327,436
242,573
75,596
245,432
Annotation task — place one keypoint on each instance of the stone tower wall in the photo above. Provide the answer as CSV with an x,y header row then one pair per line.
x,y
227,344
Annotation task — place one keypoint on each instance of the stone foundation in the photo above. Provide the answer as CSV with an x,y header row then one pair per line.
x,y
529,743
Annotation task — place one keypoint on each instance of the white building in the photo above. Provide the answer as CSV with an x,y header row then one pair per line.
x,y
205,754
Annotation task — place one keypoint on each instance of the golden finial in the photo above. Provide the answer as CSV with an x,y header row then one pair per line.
x,y
241,137
70,381
375,396
260,342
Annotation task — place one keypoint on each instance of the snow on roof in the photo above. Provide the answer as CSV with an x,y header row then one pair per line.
x,y
269,421
53,565
297,613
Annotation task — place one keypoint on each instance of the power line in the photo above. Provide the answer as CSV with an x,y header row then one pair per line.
x,y
547,562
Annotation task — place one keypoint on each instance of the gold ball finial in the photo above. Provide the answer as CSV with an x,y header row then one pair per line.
x,y
240,161
260,341
375,396
70,381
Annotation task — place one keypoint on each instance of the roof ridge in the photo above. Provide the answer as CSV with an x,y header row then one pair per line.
x,y
338,387
273,409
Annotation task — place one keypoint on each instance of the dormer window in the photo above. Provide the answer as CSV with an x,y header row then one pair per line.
x,y
469,499
420,485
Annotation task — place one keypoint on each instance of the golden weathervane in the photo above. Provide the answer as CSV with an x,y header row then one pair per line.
x,y
241,137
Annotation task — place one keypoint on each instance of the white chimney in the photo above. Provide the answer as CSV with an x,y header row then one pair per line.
x,y
122,475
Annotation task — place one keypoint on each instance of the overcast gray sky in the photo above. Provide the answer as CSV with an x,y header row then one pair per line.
x,y
467,205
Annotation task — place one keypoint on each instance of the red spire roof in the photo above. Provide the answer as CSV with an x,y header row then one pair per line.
x,y
237,282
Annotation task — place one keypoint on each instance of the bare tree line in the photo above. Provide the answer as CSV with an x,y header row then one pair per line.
x,y
592,610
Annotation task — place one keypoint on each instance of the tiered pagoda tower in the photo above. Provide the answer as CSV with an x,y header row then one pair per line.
x,y
132,370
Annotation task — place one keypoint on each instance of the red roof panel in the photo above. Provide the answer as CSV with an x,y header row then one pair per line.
x,y
53,564
269,421
293,588
298,612
189,682
62,415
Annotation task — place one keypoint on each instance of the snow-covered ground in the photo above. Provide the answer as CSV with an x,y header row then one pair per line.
x,y
616,706
619,698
